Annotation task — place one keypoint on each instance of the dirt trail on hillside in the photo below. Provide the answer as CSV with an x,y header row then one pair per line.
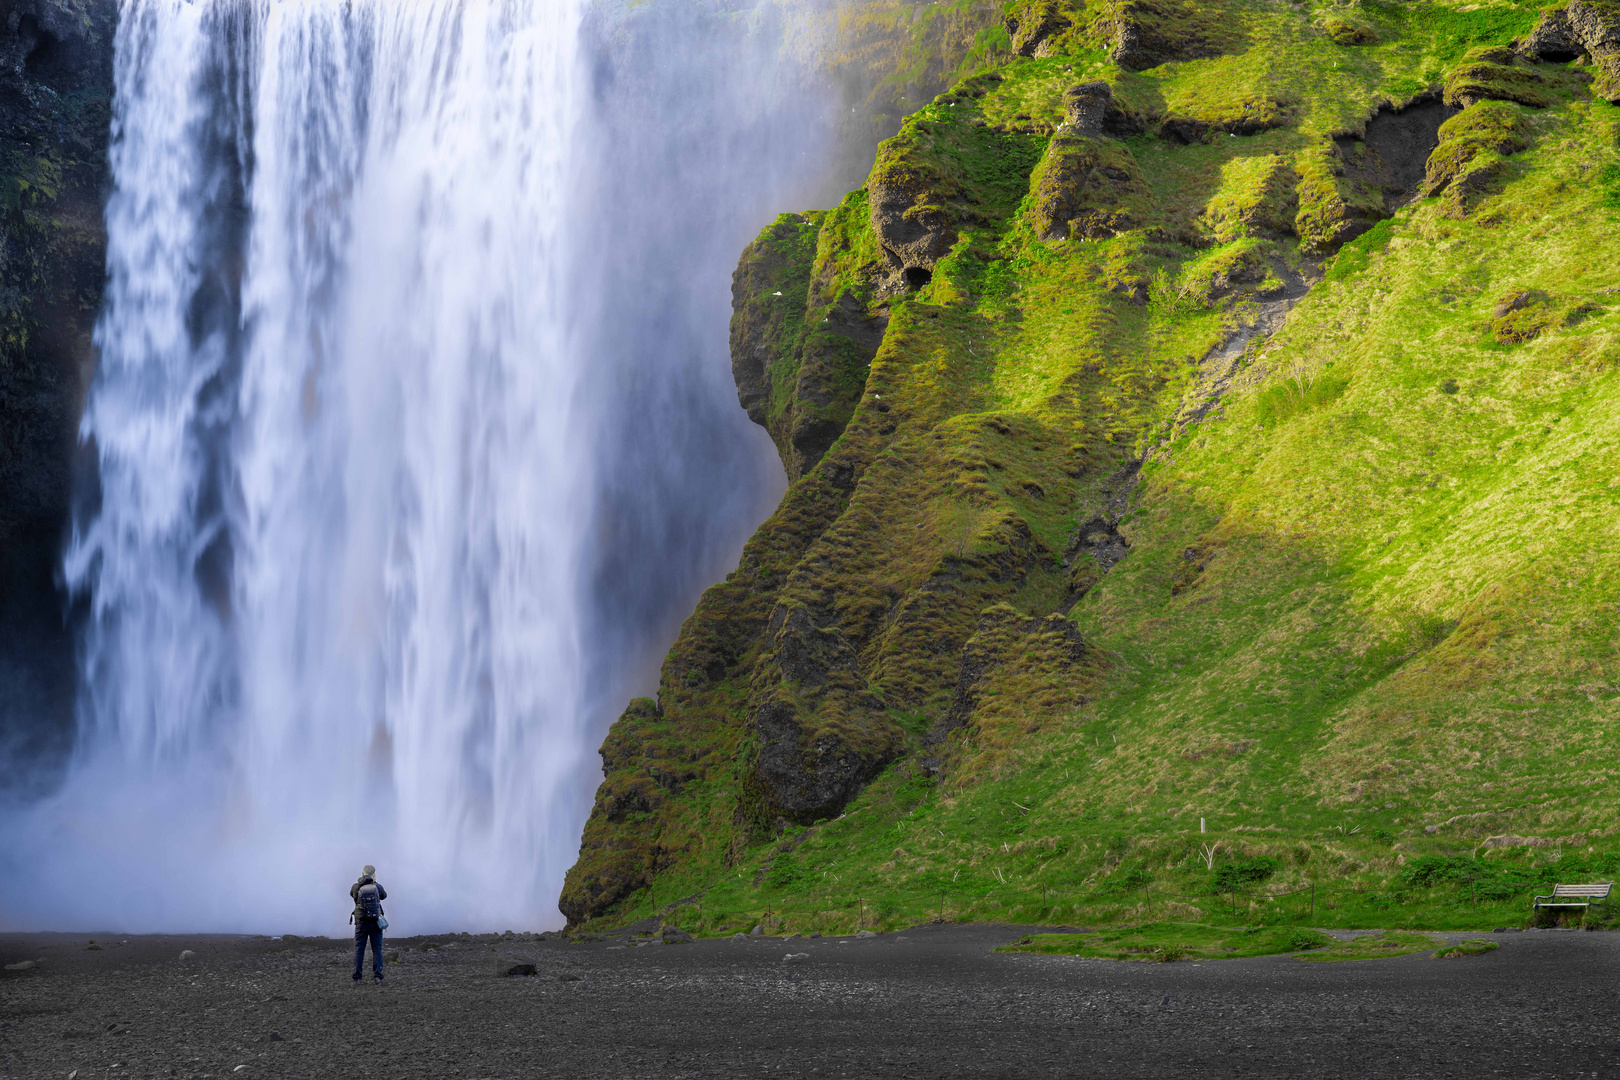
x,y
930,1002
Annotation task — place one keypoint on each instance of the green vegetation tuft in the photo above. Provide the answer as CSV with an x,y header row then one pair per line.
x,y
1385,946
1471,947
1169,941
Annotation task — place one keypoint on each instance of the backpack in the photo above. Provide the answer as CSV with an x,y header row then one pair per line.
x,y
367,905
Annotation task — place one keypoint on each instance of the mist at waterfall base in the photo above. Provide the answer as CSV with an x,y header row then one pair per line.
x,y
413,440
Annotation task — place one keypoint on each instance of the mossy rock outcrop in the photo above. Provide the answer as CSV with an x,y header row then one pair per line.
x,y
1493,127
1164,521
1484,80
1086,188
1142,34
1340,195
1595,24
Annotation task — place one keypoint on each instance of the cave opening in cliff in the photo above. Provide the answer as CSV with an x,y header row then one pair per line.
x,y
918,276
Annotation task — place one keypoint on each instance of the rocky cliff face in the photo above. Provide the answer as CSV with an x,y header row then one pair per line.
x,y
1099,520
55,96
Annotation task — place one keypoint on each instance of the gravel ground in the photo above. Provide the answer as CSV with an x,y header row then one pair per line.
x,y
928,1002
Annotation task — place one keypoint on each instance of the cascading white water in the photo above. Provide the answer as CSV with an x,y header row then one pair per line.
x,y
336,563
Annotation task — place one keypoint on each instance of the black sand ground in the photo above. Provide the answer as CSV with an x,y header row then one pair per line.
x,y
929,1002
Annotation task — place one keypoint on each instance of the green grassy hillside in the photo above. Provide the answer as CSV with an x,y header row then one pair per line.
x,y
1117,585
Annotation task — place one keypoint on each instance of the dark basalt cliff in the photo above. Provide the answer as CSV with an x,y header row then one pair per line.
x,y
1098,520
55,100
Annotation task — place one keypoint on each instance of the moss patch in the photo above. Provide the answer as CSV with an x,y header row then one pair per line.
x,y
1169,941
1384,946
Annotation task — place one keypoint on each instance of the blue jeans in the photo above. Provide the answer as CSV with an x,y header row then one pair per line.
x,y
364,932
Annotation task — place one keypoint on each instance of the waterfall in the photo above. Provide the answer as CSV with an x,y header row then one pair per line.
x,y
344,558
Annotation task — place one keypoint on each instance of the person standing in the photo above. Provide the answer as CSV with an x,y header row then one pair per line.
x,y
369,923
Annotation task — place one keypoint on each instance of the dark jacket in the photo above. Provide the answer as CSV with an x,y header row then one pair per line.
x,y
354,894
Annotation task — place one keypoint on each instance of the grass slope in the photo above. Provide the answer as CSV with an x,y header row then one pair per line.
x,y
1358,665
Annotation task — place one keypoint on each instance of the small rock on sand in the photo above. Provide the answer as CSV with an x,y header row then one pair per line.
x,y
187,955
511,967
866,934
796,958
22,965
739,936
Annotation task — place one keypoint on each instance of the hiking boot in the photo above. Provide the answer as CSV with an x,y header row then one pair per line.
x,y
377,981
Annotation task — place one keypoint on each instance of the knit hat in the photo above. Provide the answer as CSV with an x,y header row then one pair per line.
x,y
369,871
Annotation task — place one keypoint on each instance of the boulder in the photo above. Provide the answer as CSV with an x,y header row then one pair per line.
x,y
1348,33
187,954
509,968
24,965
1086,108
865,934
674,935
757,931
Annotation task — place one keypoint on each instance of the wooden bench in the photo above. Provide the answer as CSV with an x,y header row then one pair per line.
x,y
1573,896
